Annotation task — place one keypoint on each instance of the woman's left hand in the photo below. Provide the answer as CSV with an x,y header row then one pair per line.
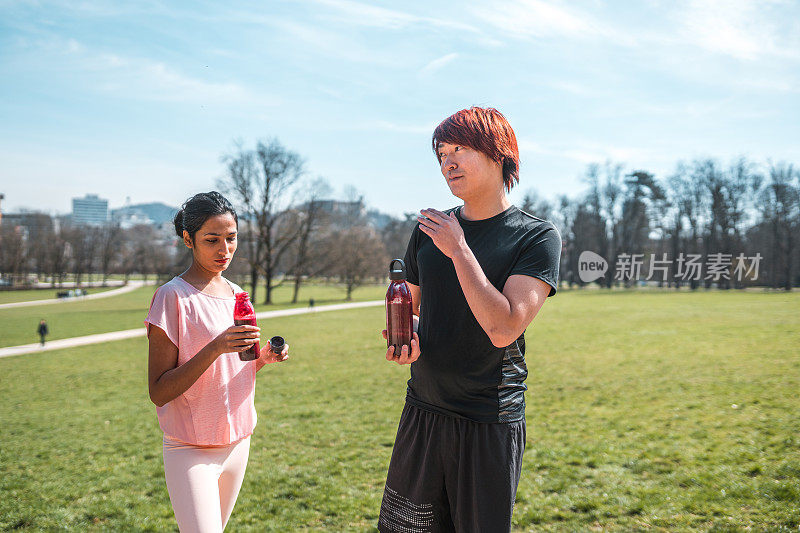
x,y
267,356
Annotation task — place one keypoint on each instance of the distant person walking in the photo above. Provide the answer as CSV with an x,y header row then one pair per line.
x,y
43,331
311,303
203,391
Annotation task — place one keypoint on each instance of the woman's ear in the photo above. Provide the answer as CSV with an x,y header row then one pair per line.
x,y
187,239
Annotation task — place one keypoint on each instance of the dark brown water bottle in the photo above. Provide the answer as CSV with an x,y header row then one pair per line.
x,y
245,315
398,308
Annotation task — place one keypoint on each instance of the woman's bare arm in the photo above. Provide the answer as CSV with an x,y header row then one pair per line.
x,y
167,381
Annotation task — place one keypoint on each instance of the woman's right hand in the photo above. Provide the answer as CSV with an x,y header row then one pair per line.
x,y
236,339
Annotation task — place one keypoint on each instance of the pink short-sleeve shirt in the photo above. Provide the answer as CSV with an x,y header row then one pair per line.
x,y
218,408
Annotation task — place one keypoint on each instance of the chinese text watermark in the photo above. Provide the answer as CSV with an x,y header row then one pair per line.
x,y
685,267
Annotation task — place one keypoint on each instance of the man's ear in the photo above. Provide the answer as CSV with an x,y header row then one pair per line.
x,y
187,239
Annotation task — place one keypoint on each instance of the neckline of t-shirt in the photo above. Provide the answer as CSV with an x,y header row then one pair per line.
x,y
198,291
498,216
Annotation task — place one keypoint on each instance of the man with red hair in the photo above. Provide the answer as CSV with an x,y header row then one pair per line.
x,y
479,273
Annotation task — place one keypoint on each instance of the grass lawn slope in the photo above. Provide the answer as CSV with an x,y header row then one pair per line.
x,y
645,411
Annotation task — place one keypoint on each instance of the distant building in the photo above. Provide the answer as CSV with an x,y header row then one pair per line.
x,y
90,210
153,214
31,224
378,220
129,219
338,209
347,208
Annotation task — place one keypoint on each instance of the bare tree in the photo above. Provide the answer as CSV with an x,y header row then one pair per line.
x,y
310,216
589,229
262,182
143,238
163,261
612,212
677,187
710,176
37,234
127,257
241,181
12,252
536,205
643,192
780,203
585,234
83,249
109,248
564,219
693,205
397,233
359,255
743,183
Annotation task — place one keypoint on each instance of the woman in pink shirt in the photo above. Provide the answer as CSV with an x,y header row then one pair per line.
x,y
202,390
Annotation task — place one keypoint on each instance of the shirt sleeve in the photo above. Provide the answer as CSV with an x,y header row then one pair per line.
x,y
410,259
541,258
165,313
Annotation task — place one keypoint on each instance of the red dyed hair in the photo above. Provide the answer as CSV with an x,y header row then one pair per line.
x,y
486,130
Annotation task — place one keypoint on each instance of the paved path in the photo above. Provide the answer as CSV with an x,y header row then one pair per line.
x,y
71,285
140,332
131,286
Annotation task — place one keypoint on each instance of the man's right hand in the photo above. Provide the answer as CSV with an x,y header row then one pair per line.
x,y
408,354
236,339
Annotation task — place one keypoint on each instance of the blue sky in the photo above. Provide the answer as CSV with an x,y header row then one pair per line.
x,y
141,99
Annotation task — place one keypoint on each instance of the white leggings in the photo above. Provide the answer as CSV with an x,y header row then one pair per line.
x,y
203,483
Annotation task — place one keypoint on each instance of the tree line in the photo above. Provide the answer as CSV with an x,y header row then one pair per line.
x,y
704,209
59,252
291,232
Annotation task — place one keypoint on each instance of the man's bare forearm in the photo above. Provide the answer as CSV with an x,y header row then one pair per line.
x,y
490,307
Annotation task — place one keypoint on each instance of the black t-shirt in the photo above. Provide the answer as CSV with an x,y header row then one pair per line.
x,y
460,372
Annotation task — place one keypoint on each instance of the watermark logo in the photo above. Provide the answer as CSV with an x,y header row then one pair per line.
x,y
591,266
686,267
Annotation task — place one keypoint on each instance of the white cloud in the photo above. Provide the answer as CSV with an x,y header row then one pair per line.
x,y
330,43
588,151
742,29
437,64
424,129
730,106
572,87
785,85
545,19
145,79
369,15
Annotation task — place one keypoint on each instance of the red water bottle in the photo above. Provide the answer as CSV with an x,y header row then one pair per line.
x,y
245,315
398,308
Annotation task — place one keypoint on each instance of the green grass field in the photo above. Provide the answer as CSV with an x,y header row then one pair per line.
x,y
7,297
646,412
128,311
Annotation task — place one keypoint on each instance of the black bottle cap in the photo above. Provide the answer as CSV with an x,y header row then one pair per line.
x,y
395,273
276,344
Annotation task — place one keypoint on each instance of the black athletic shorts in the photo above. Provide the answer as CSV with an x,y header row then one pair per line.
x,y
451,474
